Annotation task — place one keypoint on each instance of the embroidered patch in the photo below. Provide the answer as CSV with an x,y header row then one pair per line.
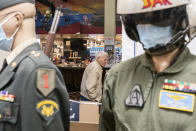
x,y
46,81
176,100
135,97
179,86
47,109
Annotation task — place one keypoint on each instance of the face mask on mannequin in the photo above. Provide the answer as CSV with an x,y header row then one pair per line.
x,y
6,43
151,35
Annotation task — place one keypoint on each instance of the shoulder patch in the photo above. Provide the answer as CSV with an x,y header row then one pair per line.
x,y
47,109
46,80
135,98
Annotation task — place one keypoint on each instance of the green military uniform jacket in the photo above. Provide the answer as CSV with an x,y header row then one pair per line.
x,y
122,78
32,108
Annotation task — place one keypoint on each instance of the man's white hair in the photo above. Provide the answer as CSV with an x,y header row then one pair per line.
x,y
100,53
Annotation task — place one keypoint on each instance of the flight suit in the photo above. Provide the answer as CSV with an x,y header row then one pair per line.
x,y
118,115
33,96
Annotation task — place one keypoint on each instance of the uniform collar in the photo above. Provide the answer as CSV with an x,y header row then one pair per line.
x,y
8,73
13,54
181,61
3,55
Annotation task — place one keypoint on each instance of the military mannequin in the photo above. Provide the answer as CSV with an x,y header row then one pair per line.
x,y
33,96
154,91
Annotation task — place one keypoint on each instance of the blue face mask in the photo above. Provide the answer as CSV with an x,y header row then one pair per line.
x,y
151,35
6,43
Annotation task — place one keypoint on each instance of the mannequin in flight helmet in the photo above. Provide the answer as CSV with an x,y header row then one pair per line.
x,y
161,26
154,91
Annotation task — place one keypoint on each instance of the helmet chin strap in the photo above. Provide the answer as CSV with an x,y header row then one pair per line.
x,y
173,43
179,36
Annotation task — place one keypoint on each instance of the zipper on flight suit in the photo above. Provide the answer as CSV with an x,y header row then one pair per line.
x,y
154,75
153,90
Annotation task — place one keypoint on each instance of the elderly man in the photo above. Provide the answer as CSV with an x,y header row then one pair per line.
x,y
33,96
91,87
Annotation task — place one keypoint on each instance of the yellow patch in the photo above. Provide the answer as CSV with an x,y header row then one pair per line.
x,y
176,100
47,109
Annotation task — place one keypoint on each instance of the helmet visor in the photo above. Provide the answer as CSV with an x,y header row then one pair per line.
x,y
160,18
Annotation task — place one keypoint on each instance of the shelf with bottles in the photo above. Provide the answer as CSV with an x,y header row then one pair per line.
x,y
118,54
94,50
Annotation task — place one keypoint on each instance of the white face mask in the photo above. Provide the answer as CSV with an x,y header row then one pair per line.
x,y
151,35
6,43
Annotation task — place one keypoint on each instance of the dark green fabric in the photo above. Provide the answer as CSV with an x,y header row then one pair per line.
x,y
116,116
21,81
7,3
